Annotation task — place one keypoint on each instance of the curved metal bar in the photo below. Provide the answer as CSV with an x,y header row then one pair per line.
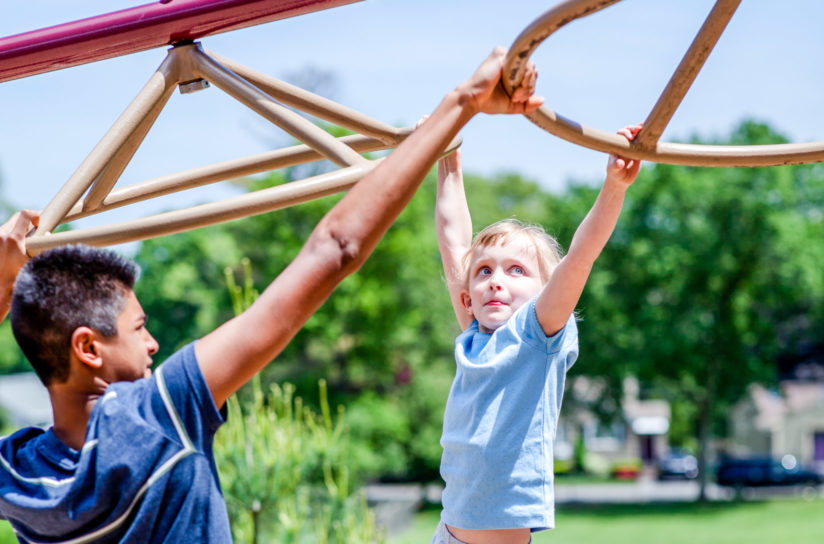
x,y
539,30
165,22
672,153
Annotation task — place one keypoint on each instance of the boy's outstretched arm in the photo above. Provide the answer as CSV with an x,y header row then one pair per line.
x,y
344,238
453,225
560,295
13,253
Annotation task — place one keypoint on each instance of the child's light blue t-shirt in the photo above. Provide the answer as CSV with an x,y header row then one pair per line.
x,y
499,424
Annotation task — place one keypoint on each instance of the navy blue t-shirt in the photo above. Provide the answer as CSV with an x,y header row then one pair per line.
x,y
146,473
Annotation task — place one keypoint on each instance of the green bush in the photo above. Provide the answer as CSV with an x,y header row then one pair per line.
x,y
286,470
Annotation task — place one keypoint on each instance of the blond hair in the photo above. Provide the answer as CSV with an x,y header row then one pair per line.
x,y
548,249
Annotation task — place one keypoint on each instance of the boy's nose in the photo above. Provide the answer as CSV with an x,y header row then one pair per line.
x,y
152,345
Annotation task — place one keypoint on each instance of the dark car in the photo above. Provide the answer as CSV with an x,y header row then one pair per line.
x,y
760,472
677,465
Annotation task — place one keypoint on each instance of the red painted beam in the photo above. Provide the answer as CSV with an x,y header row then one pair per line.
x,y
139,28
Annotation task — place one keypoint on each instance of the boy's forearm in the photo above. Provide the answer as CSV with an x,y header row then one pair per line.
x,y
372,205
338,246
13,253
5,300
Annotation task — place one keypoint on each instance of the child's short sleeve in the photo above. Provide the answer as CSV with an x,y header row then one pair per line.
x,y
562,344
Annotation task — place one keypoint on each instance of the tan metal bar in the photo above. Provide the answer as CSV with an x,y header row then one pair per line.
x,y
246,205
685,74
672,153
100,156
258,202
235,168
676,153
300,128
314,104
539,30
107,179
253,164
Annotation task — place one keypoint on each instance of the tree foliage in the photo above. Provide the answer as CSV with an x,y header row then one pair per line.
x,y
709,276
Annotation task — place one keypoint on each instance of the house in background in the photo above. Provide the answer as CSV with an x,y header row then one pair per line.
x,y
24,400
780,422
641,433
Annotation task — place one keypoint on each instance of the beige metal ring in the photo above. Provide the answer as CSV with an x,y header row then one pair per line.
x,y
646,145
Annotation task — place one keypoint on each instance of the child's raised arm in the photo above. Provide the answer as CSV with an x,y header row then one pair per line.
x,y
453,222
344,238
453,225
560,295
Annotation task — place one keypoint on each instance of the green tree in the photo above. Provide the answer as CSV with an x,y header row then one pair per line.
x,y
710,274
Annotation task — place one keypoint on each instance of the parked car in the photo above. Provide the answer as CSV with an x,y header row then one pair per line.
x,y
677,465
758,472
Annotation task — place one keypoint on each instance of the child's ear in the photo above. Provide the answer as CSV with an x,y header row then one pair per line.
x,y
466,300
84,347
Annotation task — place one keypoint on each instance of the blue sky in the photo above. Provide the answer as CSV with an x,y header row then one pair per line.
x,y
395,59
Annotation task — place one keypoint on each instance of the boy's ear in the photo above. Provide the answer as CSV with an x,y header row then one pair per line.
x,y
466,300
84,347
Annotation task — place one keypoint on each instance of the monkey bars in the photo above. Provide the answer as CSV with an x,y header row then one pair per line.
x,y
646,145
91,189
189,67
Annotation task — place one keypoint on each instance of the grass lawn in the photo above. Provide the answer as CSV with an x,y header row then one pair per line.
x,y
6,534
786,521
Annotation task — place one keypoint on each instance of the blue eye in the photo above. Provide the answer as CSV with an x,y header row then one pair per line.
x,y
517,270
484,270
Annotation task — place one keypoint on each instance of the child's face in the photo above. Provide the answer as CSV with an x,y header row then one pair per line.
x,y
501,279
